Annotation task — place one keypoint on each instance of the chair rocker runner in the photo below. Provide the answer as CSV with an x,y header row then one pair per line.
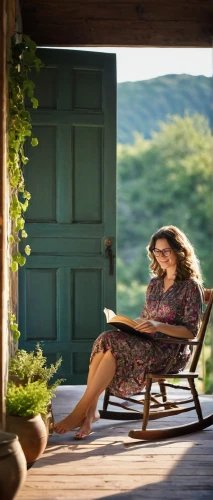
x,y
156,404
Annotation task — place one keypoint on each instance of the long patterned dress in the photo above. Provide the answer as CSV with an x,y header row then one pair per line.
x,y
181,304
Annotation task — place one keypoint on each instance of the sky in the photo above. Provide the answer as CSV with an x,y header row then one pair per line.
x,y
134,64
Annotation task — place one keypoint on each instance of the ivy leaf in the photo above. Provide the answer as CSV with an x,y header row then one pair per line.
x,y
23,60
27,250
26,39
21,260
19,224
21,188
28,133
28,58
38,64
30,93
28,84
34,141
30,43
16,335
27,195
14,266
34,102
11,239
25,205
24,158
25,115
14,326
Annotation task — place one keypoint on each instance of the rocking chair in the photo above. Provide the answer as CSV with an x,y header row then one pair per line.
x,y
157,405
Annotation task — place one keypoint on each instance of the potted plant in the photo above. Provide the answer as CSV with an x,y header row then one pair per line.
x,y
28,400
31,366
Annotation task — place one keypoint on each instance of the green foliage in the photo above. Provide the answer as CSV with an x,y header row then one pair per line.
x,y
14,328
23,60
142,105
30,366
209,377
31,393
131,298
162,181
166,180
28,400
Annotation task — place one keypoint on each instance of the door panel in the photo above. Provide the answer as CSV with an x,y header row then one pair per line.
x,y
71,175
91,192
42,285
42,183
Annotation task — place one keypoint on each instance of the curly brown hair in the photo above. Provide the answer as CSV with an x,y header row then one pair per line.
x,y
187,262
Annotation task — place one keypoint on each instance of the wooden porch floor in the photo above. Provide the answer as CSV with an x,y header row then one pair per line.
x,y
110,465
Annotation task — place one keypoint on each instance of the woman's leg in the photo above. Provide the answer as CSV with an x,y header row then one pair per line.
x,y
93,414
99,379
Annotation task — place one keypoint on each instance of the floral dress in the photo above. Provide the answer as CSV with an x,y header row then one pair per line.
x,y
181,305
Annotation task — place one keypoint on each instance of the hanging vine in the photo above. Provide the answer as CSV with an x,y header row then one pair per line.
x,y
20,86
23,60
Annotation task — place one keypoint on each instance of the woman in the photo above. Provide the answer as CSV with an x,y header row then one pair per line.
x,y
172,309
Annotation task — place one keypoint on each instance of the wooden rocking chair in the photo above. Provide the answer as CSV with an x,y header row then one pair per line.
x,y
157,405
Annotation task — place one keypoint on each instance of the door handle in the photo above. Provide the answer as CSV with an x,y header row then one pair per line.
x,y
109,254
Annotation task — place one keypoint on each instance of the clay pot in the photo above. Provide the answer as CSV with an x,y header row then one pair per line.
x,y
48,420
13,467
32,435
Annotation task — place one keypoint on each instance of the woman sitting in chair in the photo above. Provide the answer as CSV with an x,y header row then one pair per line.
x,y
172,308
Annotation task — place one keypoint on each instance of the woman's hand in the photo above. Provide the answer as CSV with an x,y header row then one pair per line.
x,y
150,326
147,326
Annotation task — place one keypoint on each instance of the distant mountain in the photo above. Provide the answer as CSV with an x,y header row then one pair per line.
x,y
141,105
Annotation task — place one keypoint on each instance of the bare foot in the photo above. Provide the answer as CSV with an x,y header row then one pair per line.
x,y
86,426
73,420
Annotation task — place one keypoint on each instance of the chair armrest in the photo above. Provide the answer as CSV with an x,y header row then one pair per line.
x,y
173,340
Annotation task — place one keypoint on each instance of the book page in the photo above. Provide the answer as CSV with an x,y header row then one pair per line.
x,y
109,314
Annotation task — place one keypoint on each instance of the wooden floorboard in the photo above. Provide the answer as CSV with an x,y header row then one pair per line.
x,y
109,465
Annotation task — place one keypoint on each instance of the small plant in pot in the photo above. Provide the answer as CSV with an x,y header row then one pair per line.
x,y
31,366
28,400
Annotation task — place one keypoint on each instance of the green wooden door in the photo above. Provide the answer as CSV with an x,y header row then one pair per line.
x,y
71,175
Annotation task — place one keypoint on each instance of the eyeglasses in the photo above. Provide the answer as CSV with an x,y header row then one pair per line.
x,y
165,252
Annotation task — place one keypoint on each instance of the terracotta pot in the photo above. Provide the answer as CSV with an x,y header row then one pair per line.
x,y
13,467
48,420
32,435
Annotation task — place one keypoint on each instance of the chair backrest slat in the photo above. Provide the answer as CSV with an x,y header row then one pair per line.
x,y
201,334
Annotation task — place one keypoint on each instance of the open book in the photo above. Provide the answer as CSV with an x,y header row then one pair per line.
x,y
125,324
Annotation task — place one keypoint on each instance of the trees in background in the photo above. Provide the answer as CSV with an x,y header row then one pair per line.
x,y
161,181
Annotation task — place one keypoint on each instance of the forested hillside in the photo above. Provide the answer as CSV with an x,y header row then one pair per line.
x,y
164,177
142,105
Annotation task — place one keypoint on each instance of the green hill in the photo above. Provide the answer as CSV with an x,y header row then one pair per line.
x,y
141,105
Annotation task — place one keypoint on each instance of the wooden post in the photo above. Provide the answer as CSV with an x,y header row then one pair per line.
x,y
3,260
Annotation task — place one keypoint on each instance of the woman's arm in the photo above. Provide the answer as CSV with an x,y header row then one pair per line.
x,y
151,327
191,314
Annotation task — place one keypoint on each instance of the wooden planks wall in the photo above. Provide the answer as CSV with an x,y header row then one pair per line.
x,y
161,23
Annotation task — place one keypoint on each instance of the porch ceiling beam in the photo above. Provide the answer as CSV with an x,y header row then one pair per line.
x,y
162,23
